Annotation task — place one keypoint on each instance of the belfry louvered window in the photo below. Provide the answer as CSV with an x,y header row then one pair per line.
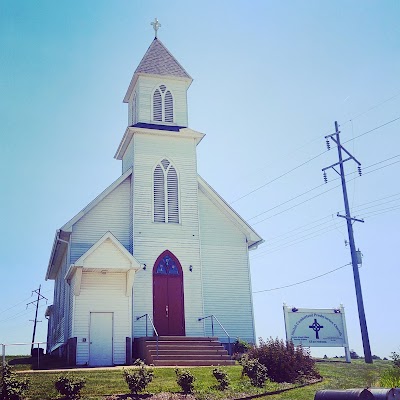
x,y
166,196
163,105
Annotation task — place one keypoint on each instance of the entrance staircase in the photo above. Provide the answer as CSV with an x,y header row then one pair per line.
x,y
182,351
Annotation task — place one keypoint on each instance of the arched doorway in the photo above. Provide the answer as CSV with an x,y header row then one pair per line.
x,y
168,303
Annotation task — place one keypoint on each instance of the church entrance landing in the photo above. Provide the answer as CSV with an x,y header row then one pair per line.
x,y
168,303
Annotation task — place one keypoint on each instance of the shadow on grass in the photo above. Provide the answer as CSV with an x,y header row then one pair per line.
x,y
45,362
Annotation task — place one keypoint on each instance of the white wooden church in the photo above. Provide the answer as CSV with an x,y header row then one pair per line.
x,y
158,243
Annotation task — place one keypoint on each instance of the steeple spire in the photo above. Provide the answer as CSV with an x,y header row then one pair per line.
x,y
156,26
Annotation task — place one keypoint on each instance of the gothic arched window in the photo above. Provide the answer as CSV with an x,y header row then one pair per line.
x,y
163,105
165,193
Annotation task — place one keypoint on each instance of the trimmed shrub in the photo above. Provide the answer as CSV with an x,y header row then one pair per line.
x,y
256,372
185,379
222,378
11,387
241,346
285,362
395,359
138,379
70,386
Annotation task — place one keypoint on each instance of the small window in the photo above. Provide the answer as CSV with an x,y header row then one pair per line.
x,y
163,105
165,193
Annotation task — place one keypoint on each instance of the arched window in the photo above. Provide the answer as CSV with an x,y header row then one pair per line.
x,y
163,105
165,192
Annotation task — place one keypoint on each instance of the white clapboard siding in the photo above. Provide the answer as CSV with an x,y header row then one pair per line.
x,y
106,255
127,160
226,273
145,88
59,316
102,293
113,214
71,306
152,238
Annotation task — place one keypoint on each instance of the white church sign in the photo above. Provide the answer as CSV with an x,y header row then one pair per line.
x,y
316,327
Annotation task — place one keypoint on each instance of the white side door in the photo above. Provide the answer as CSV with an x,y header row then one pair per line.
x,y
101,339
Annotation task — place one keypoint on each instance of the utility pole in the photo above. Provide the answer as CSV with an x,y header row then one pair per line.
x,y
39,297
335,137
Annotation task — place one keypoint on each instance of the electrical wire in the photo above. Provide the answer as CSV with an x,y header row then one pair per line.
x,y
308,161
15,305
370,109
320,194
372,130
301,282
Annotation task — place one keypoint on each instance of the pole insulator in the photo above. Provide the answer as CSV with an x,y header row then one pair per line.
x,y
359,170
325,177
328,144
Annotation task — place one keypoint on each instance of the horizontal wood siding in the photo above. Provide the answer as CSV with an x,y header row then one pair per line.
x,y
226,273
106,255
152,238
71,307
102,293
59,316
112,214
145,88
127,160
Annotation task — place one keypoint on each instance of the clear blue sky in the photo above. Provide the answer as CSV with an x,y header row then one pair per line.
x,y
270,79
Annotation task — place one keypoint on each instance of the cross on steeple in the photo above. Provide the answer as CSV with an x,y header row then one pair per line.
x,y
156,26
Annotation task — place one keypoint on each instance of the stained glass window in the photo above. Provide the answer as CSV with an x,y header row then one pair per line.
x,y
167,266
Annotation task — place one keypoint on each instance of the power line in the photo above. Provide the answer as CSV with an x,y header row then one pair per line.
x,y
301,282
371,108
15,305
320,194
297,240
278,177
372,130
308,161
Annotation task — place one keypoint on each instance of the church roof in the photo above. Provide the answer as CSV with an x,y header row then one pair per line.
x,y
157,61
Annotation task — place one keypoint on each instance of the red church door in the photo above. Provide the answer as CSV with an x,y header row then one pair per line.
x,y
169,318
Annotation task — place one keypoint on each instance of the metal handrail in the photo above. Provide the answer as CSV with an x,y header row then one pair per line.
x,y
152,324
212,316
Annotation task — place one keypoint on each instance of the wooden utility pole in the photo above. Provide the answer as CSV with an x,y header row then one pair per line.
x,y
335,137
39,297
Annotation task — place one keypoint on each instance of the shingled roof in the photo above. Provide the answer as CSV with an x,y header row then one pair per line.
x,y
158,61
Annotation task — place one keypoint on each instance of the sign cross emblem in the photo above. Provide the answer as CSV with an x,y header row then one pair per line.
x,y
316,327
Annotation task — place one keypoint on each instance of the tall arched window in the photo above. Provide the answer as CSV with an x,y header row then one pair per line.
x,y
165,192
163,105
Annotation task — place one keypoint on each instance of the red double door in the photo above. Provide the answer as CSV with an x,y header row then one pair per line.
x,y
168,303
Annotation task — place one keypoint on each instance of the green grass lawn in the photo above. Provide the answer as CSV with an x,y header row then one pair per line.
x,y
105,383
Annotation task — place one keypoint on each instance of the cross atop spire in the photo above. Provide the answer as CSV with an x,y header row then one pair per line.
x,y
156,26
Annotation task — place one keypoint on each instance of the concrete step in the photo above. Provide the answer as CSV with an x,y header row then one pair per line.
x,y
190,357
180,338
183,344
187,352
184,351
192,363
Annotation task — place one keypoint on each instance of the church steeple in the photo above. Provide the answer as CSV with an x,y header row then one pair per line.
x,y
157,91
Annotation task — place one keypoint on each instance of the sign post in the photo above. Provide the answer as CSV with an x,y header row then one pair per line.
x,y
317,327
